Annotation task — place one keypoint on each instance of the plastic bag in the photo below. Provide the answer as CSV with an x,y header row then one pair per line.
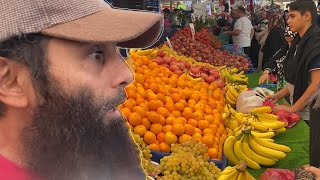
x,y
277,174
248,100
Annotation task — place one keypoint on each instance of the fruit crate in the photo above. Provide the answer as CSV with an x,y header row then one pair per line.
x,y
157,155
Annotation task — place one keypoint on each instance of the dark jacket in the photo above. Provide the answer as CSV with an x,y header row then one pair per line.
x,y
275,40
308,49
278,57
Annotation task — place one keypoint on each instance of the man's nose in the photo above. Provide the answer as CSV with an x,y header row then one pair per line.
x,y
123,74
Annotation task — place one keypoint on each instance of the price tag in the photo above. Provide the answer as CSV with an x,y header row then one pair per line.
x,y
169,43
192,30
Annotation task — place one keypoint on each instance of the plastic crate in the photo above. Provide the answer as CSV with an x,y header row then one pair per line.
x,y
157,155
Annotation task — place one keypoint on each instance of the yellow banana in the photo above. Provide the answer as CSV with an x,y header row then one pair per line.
x,y
241,156
231,97
259,126
267,116
271,145
228,150
233,111
280,130
230,101
263,135
275,124
248,176
232,176
234,70
262,109
233,91
228,170
265,161
241,176
264,151
267,139
241,72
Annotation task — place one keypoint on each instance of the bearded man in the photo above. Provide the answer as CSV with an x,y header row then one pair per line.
x,y
61,81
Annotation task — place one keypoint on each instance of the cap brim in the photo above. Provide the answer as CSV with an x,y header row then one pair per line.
x,y
129,29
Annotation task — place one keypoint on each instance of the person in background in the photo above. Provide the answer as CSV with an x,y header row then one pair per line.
x,y
243,31
226,6
302,69
314,170
62,80
175,19
318,16
275,39
274,67
255,46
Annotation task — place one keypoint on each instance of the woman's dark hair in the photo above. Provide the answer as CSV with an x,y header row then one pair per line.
x,y
29,50
166,10
302,6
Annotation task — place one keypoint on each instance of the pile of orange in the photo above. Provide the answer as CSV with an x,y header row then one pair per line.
x,y
165,108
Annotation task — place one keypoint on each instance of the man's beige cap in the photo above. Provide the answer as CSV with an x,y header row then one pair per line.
x,y
79,20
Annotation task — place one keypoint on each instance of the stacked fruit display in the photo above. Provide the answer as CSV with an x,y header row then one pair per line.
x,y
188,160
237,172
165,108
254,148
204,52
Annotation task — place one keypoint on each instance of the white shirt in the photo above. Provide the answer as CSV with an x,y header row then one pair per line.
x,y
243,39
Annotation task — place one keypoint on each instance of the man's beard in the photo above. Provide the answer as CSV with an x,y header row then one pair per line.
x,y
71,139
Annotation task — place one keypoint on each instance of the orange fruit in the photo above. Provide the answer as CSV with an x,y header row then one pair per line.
x,y
154,146
199,106
146,123
167,128
179,106
139,100
208,110
164,147
184,102
188,113
213,127
131,94
154,87
176,113
162,120
209,118
151,96
202,124
217,116
197,136
153,117
139,78
153,105
145,60
156,128
212,103
163,111
126,112
149,137
207,131
160,137
197,130
198,115
140,130
184,138
207,140
195,97
135,119
175,97
217,94
170,138
144,106
139,110
170,106
169,120
189,129
193,122
178,129
161,97
213,153
130,103
179,120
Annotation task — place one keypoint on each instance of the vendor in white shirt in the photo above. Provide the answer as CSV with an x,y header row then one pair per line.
x,y
243,30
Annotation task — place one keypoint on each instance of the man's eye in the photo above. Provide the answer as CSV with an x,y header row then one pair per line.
x,y
97,55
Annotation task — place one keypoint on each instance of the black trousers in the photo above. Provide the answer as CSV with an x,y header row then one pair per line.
x,y
246,50
314,141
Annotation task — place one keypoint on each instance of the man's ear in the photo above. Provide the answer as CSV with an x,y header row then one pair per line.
x,y
307,16
13,84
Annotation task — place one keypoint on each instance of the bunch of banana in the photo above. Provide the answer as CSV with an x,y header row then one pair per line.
x,y
255,150
233,91
228,119
237,172
233,76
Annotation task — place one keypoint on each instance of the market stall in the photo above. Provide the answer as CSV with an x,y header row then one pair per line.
x,y
192,111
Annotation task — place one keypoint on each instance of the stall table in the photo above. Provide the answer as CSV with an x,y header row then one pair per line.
x,y
297,138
